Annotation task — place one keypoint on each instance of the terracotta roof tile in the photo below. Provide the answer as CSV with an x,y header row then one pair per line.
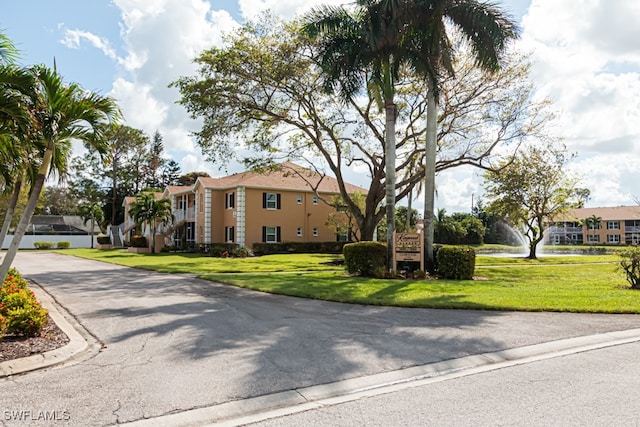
x,y
291,177
617,213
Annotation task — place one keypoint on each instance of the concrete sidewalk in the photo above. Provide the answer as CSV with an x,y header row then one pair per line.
x,y
182,351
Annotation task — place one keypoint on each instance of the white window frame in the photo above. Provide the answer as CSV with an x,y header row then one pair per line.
x,y
228,198
315,231
229,231
613,225
593,238
299,199
268,235
299,232
271,202
315,199
613,238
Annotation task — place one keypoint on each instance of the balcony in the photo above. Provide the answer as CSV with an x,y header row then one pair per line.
x,y
632,229
188,214
562,230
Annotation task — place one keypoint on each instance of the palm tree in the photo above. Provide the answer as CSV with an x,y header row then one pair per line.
x,y
60,113
91,212
486,28
593,224
15,125
146,209
8,50
351,46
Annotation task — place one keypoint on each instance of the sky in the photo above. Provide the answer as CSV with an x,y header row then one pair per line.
x,y
586,60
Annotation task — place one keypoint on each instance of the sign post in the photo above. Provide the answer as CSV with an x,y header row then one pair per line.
x,y
408,247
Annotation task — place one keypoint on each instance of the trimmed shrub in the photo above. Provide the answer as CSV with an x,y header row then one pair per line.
x,y
630,264
456,262
138,241
365,258
22,313
103,239
42,245
298,248
63,245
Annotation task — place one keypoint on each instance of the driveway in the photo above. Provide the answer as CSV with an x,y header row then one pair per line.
x,y
174,343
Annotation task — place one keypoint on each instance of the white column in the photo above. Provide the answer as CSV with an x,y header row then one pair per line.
x,y
240,217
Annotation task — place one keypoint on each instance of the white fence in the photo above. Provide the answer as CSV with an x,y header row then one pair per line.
x,y
28,240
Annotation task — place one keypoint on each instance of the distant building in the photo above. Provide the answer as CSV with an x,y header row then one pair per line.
x,y
613,226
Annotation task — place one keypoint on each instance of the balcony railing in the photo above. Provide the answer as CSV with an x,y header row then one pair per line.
x,y
632,229
562,230
188,214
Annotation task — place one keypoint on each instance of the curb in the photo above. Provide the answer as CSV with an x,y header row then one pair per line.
x,y
81,343
289,402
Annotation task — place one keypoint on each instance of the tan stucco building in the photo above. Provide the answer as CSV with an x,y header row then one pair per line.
x,y
618,225
285,205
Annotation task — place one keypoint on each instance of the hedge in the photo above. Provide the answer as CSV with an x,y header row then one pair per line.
x,y
456,262
298,247
365,258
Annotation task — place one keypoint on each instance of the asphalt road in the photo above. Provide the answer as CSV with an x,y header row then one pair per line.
x,y
595,388
174,343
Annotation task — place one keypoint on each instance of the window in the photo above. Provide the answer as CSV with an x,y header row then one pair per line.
x,y
229,234
299,199
594,238
613,225
342,236
299,232
315,231
270,234
315,200
230,200
271,201
201,203
613,238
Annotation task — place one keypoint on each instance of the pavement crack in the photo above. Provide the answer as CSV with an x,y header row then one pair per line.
x,y
115,411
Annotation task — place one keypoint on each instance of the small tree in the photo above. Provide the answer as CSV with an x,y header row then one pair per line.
x,y
91,212
593,224
146,209
532,188
630,264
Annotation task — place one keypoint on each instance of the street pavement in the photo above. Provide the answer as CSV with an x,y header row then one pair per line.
x,y
176,350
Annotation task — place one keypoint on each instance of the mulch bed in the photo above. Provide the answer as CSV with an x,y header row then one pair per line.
x,y
15,347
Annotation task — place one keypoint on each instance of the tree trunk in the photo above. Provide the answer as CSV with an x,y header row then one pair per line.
x,y
91,232
429,179
13,202
390,178
409,201
28,213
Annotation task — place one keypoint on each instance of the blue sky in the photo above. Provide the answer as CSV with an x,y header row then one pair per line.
x,y
587,61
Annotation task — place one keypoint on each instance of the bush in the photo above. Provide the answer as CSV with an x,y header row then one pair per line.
x,y
42,245
3,326
103,239
456,262
22,313
630,264
63,245
365,258
138,241
298,248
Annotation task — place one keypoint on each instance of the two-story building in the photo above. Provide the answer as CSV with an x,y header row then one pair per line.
x,y
289,204
611,226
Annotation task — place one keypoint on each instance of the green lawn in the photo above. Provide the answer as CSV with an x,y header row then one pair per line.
x,y
556,283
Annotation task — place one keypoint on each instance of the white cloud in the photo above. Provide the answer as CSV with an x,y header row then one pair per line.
x,y
285,8
588,63
73,38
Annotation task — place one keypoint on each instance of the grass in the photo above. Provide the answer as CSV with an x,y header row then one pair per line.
x,y
590,283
